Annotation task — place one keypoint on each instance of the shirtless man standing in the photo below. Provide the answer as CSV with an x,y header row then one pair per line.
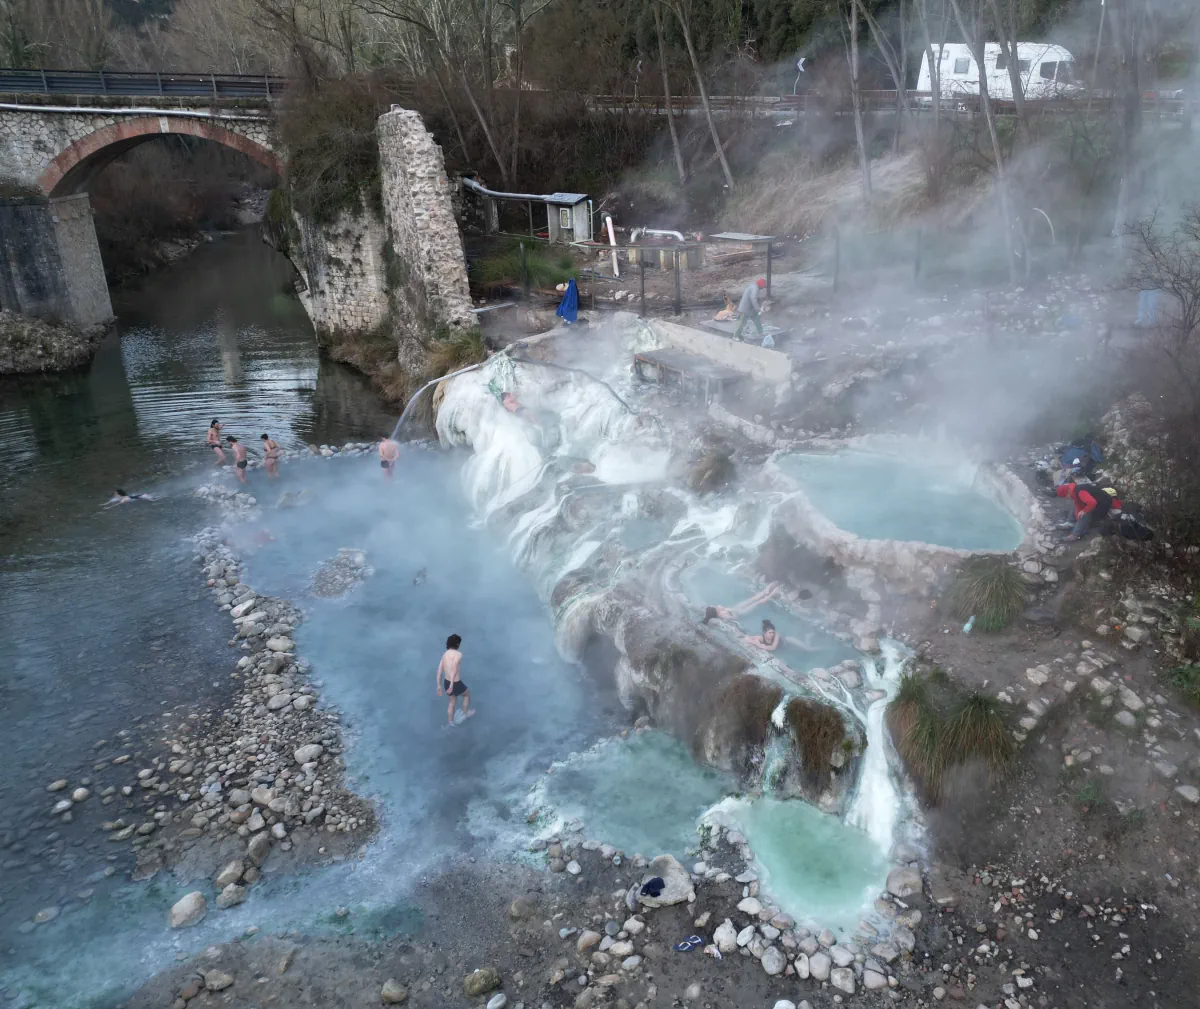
x,y
270,455
239,457
449,680
389,452
213,440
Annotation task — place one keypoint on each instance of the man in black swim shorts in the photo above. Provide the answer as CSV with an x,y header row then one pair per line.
x,y
449,679
239,455
389,452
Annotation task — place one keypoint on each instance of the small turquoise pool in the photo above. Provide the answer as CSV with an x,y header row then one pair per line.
x,y
805,644
886,497
815,867
643,794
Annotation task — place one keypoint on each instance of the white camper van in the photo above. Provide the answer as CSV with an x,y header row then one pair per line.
x,y
1046,71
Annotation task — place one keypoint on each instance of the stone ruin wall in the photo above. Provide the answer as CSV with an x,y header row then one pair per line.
x,y
344,287
404,274
428,270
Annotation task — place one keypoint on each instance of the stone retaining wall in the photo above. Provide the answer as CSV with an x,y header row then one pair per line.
x,y
344,286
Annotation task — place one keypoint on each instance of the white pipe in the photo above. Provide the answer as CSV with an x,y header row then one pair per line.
x,y
612,240
79,109
658,231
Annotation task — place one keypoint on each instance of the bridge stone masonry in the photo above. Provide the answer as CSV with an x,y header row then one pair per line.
x,y
402,271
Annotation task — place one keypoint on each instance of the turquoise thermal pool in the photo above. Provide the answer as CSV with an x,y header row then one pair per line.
x,y
886,497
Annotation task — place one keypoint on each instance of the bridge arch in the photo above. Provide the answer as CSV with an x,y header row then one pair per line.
x,y
75,166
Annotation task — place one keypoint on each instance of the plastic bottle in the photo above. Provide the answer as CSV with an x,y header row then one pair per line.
x,y
969,625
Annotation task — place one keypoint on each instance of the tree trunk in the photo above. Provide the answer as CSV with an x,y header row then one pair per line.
x,y
462,140
708,116
1125,19
666,79
1192,96
1006,34
856,97
977,50
487,130
897,65
516,128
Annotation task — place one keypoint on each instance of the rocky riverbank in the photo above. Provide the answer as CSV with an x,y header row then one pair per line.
x,y
30,346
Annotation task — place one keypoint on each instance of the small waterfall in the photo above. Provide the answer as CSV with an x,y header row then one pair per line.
x,y
876,807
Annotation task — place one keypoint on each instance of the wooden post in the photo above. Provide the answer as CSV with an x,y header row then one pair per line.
x,y
524,273
642,263
917,257
768,269
678,292
529,207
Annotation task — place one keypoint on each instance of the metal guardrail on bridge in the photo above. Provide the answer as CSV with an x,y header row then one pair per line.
x,y
140,84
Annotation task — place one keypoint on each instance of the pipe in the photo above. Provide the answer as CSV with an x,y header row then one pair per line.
x,y
476,187
612,240
417,395
79,109
659,231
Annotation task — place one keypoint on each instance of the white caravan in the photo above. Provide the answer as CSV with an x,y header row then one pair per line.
x,y
1046,71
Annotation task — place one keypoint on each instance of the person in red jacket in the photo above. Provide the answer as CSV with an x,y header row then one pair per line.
x,y
1092,503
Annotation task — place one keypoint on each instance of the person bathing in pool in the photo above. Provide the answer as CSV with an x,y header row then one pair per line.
x,y
389,452
124,497
769,640
742,608
239,457
449,679
213,440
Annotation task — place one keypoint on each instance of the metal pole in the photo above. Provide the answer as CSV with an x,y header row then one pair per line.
x,y
529,207
642,261
45,86
768,269
524,273
678,293
917,258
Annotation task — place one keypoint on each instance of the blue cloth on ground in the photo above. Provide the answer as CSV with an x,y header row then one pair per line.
x,y
568,308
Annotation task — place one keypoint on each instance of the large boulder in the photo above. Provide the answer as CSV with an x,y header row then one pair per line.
x,y
188,910
677,883
481,981
904,881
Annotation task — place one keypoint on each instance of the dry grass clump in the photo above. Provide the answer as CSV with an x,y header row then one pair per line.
x,y
456,351
818,731
990,590
546,268
937,731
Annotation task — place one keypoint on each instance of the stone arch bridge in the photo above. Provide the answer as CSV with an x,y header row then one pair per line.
x,y
53,145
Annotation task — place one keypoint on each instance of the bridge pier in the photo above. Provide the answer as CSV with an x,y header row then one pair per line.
x,y
50,263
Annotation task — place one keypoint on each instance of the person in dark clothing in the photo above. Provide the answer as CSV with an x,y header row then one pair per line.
x,y
1091,504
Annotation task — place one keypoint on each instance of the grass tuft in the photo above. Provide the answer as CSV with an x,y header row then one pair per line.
x,y
977,730
457,351
990,590
936,731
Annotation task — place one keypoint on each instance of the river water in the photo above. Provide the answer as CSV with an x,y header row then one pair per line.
x,y
103,623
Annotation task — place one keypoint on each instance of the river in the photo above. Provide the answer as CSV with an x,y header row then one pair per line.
x,y
105,625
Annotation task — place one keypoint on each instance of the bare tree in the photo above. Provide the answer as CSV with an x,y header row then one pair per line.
x,y
682,9
896,60
933,151
666,80
458,37
850,42
974,36
1006,34
1169,261
521,17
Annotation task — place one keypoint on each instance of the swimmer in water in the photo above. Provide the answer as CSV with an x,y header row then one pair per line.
x,y
512,404
769,640
239,457
124,497
270,455
213,440
419,577
449,679
742,608
389,452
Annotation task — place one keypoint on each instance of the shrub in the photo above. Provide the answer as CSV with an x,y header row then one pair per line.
x,y
1185,679
545,267
328,130
988,589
